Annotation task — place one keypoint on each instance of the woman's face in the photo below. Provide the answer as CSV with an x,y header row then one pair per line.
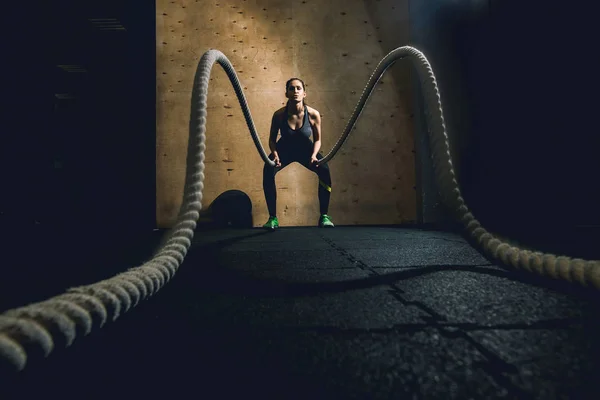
x,y
295,91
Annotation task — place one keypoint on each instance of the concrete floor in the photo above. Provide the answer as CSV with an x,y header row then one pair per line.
x,y
344,313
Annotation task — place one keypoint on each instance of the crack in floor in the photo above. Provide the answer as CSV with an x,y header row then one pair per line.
x,y
496,367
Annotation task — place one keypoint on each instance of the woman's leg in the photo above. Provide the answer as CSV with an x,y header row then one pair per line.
x,y
324,175
324,185
269,177
269,187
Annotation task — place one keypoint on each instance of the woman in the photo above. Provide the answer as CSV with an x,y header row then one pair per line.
x,y
296,121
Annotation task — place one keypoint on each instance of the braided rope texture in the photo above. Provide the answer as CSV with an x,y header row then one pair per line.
x,y
37,328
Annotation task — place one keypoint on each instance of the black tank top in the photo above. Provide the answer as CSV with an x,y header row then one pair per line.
x,y
303,132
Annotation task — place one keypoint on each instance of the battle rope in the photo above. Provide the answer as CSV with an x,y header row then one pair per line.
x,y
36,328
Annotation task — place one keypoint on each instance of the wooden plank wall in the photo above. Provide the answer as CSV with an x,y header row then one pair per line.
x,y
334,47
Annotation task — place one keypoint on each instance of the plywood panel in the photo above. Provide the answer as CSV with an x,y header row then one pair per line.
x,y
334,47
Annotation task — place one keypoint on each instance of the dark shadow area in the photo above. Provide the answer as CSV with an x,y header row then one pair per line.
x,y
532,158
519,114
44,263
77,151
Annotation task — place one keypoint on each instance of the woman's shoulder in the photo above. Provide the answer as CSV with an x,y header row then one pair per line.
x,y
313,112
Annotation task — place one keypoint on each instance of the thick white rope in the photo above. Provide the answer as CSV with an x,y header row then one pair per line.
x,y
36,328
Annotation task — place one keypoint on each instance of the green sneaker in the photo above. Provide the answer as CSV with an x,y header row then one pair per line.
x,y
272,223
325,221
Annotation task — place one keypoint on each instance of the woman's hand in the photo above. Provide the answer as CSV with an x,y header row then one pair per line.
x,y
276,159
314,161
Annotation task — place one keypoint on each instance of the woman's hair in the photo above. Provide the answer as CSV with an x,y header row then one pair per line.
x,y
287,85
